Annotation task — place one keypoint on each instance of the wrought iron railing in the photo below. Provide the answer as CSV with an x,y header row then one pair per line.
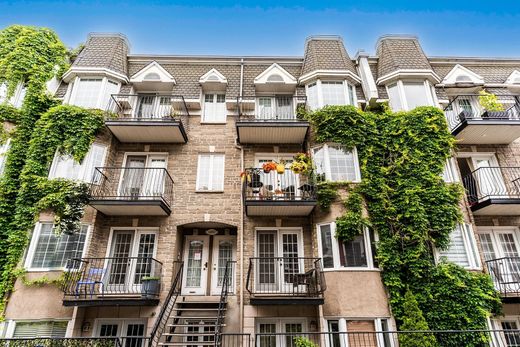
x,y
451,338
505,273
492,183
168,305
105,278
221,313
466,107
285,276
130,183
272,186
270,108
146,107
236,340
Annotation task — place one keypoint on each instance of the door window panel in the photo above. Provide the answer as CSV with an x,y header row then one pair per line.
x,y
194,268
225,254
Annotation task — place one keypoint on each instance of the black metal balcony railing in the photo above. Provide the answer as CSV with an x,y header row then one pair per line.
x,y
271,108
146,107
466,107
130,183
285,276
273,186
106,278
452,338
492,183
505,273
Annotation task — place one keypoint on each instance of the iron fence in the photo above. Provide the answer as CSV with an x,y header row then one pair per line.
x,y
268,108
146,107
103,278
492,182
505,273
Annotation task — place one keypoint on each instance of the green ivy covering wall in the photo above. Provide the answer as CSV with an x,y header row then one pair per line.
x,y
413,210
31,56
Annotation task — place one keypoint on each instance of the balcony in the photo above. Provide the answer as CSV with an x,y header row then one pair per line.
x,y
271,120
273,194
130,191
505,273
494,191
470,124
147,118
285,281
129,281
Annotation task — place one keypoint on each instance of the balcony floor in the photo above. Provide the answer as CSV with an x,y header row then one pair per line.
x,y
482,131
279,208
272,132
126,207
497,207
285,300
148,131
111,301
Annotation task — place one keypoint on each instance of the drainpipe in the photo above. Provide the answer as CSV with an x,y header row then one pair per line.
x,y
241,234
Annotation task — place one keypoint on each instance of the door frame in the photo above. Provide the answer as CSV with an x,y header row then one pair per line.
x,y
214,288
121,323
204,271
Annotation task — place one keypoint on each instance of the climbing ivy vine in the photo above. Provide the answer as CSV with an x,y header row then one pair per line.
x,y
30,57
413,210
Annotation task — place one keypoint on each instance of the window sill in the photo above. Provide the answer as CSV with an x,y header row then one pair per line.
x,y
213,123
36,270
210,191
352,269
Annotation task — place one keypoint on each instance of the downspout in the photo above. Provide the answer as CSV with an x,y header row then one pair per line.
x,y
241,235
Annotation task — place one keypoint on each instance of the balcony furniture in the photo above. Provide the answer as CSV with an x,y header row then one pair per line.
x,y
94,277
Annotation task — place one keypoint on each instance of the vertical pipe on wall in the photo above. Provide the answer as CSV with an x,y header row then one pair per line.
x,y
241,231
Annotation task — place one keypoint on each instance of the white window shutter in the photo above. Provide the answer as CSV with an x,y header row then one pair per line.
x,y
462,249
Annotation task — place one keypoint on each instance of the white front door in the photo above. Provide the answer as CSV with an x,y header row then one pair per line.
x,y
222,252
196,252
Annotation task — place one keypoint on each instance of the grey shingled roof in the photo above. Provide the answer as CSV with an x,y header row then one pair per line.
x,y
326,53
104,51
491,72
398,52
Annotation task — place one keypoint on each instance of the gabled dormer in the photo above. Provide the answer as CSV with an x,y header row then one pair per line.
x,y
153,77
275,79
461,78
213,80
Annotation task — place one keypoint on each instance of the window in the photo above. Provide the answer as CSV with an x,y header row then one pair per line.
x,y
322,93
18,96
214,108
356,253
336,164
269,331
3,92
64,166
4,149
279,107
462,249
338,327
210,172
49,251
409,95
93,92
450,174
132,331
333,93
35,329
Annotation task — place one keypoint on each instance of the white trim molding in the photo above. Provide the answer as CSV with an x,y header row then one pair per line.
x,y
93,71
462,75
310,76
409,74
275,78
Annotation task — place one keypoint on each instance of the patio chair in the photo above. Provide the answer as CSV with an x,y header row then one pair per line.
x,y
94,277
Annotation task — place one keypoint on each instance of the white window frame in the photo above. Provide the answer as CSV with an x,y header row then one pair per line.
x,y
135,242
220,118
102,90
122,322
280,326
402,95
279,232
336,254
470,245
34,243
342,327
11,325
451,172
82,173
211,183
319,92
494,231
326,159
4,150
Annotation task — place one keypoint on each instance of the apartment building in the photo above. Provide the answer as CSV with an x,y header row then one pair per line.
x,y
185,236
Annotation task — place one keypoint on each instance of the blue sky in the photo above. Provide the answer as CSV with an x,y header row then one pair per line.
x,y
467,28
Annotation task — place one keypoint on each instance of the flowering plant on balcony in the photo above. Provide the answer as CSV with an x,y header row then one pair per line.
x,y
269,166
489,102
302,164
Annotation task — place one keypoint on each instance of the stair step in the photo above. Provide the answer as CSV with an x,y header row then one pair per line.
x,y
190,334
189,325
196,309
198,317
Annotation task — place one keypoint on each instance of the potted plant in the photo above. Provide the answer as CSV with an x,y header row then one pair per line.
x,y
280,167
269,166
150,286
490,103
302,164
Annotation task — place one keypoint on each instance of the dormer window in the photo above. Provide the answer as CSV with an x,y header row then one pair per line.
x,y
94,92
461,76
152,76
407,95
322,93
275,79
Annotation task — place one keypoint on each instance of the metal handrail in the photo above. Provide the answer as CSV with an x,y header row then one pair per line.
x,y
157,110
274,113
492,182
223,302
167,308
505,273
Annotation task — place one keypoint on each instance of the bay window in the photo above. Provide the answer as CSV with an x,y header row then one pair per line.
x,y
407,95
323,93
49,251
93,92
334,163
64,166
354,254
462,249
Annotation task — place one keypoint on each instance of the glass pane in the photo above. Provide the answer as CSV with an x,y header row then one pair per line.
x,y
194,269
266,262
457,252
394,97
333,93
416,94
144,262
121,249
294,329
334,338
290,256
267,340
225,254
342,166
354,253
87,92
326,246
